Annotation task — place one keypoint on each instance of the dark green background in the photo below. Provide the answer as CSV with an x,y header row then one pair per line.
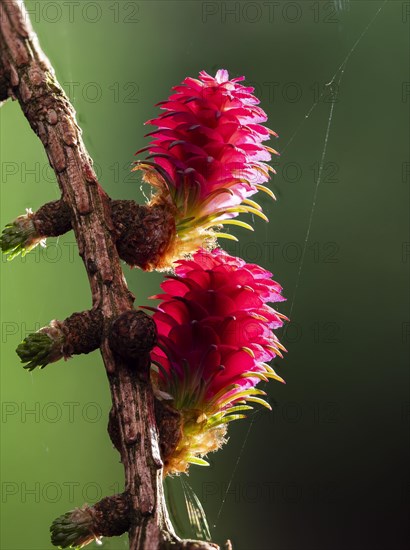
x,y
327,468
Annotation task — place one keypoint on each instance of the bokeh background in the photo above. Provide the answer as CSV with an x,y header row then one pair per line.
x,y
327,469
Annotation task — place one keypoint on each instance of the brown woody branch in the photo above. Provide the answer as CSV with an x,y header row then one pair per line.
x,y
53,219
26,74
79,333
4,84
142,234
109,517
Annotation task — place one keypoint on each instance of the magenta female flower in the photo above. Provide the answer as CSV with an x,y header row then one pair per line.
x,y
215,335
207,156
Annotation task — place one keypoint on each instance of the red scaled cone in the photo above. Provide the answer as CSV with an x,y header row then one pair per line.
x,y
207,157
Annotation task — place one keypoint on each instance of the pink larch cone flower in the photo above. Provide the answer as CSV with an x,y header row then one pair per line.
x,y
207,156
215,335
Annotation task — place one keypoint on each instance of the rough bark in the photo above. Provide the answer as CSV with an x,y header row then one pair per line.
x,y
53,219
4,84
31,80
132,333
108,518
82,332
144,233
111,515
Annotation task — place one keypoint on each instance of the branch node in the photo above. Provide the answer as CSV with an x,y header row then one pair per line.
x,y
110,517
53,219
132,334
145,234
82,332
79,333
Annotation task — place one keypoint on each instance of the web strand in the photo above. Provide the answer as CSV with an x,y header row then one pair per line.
x,y
315,194
342,64
341,69
234,471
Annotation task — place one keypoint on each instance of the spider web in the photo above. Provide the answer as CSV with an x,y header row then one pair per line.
x,y
337,76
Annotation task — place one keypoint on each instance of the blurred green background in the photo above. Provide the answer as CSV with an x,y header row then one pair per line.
x,y
327,469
